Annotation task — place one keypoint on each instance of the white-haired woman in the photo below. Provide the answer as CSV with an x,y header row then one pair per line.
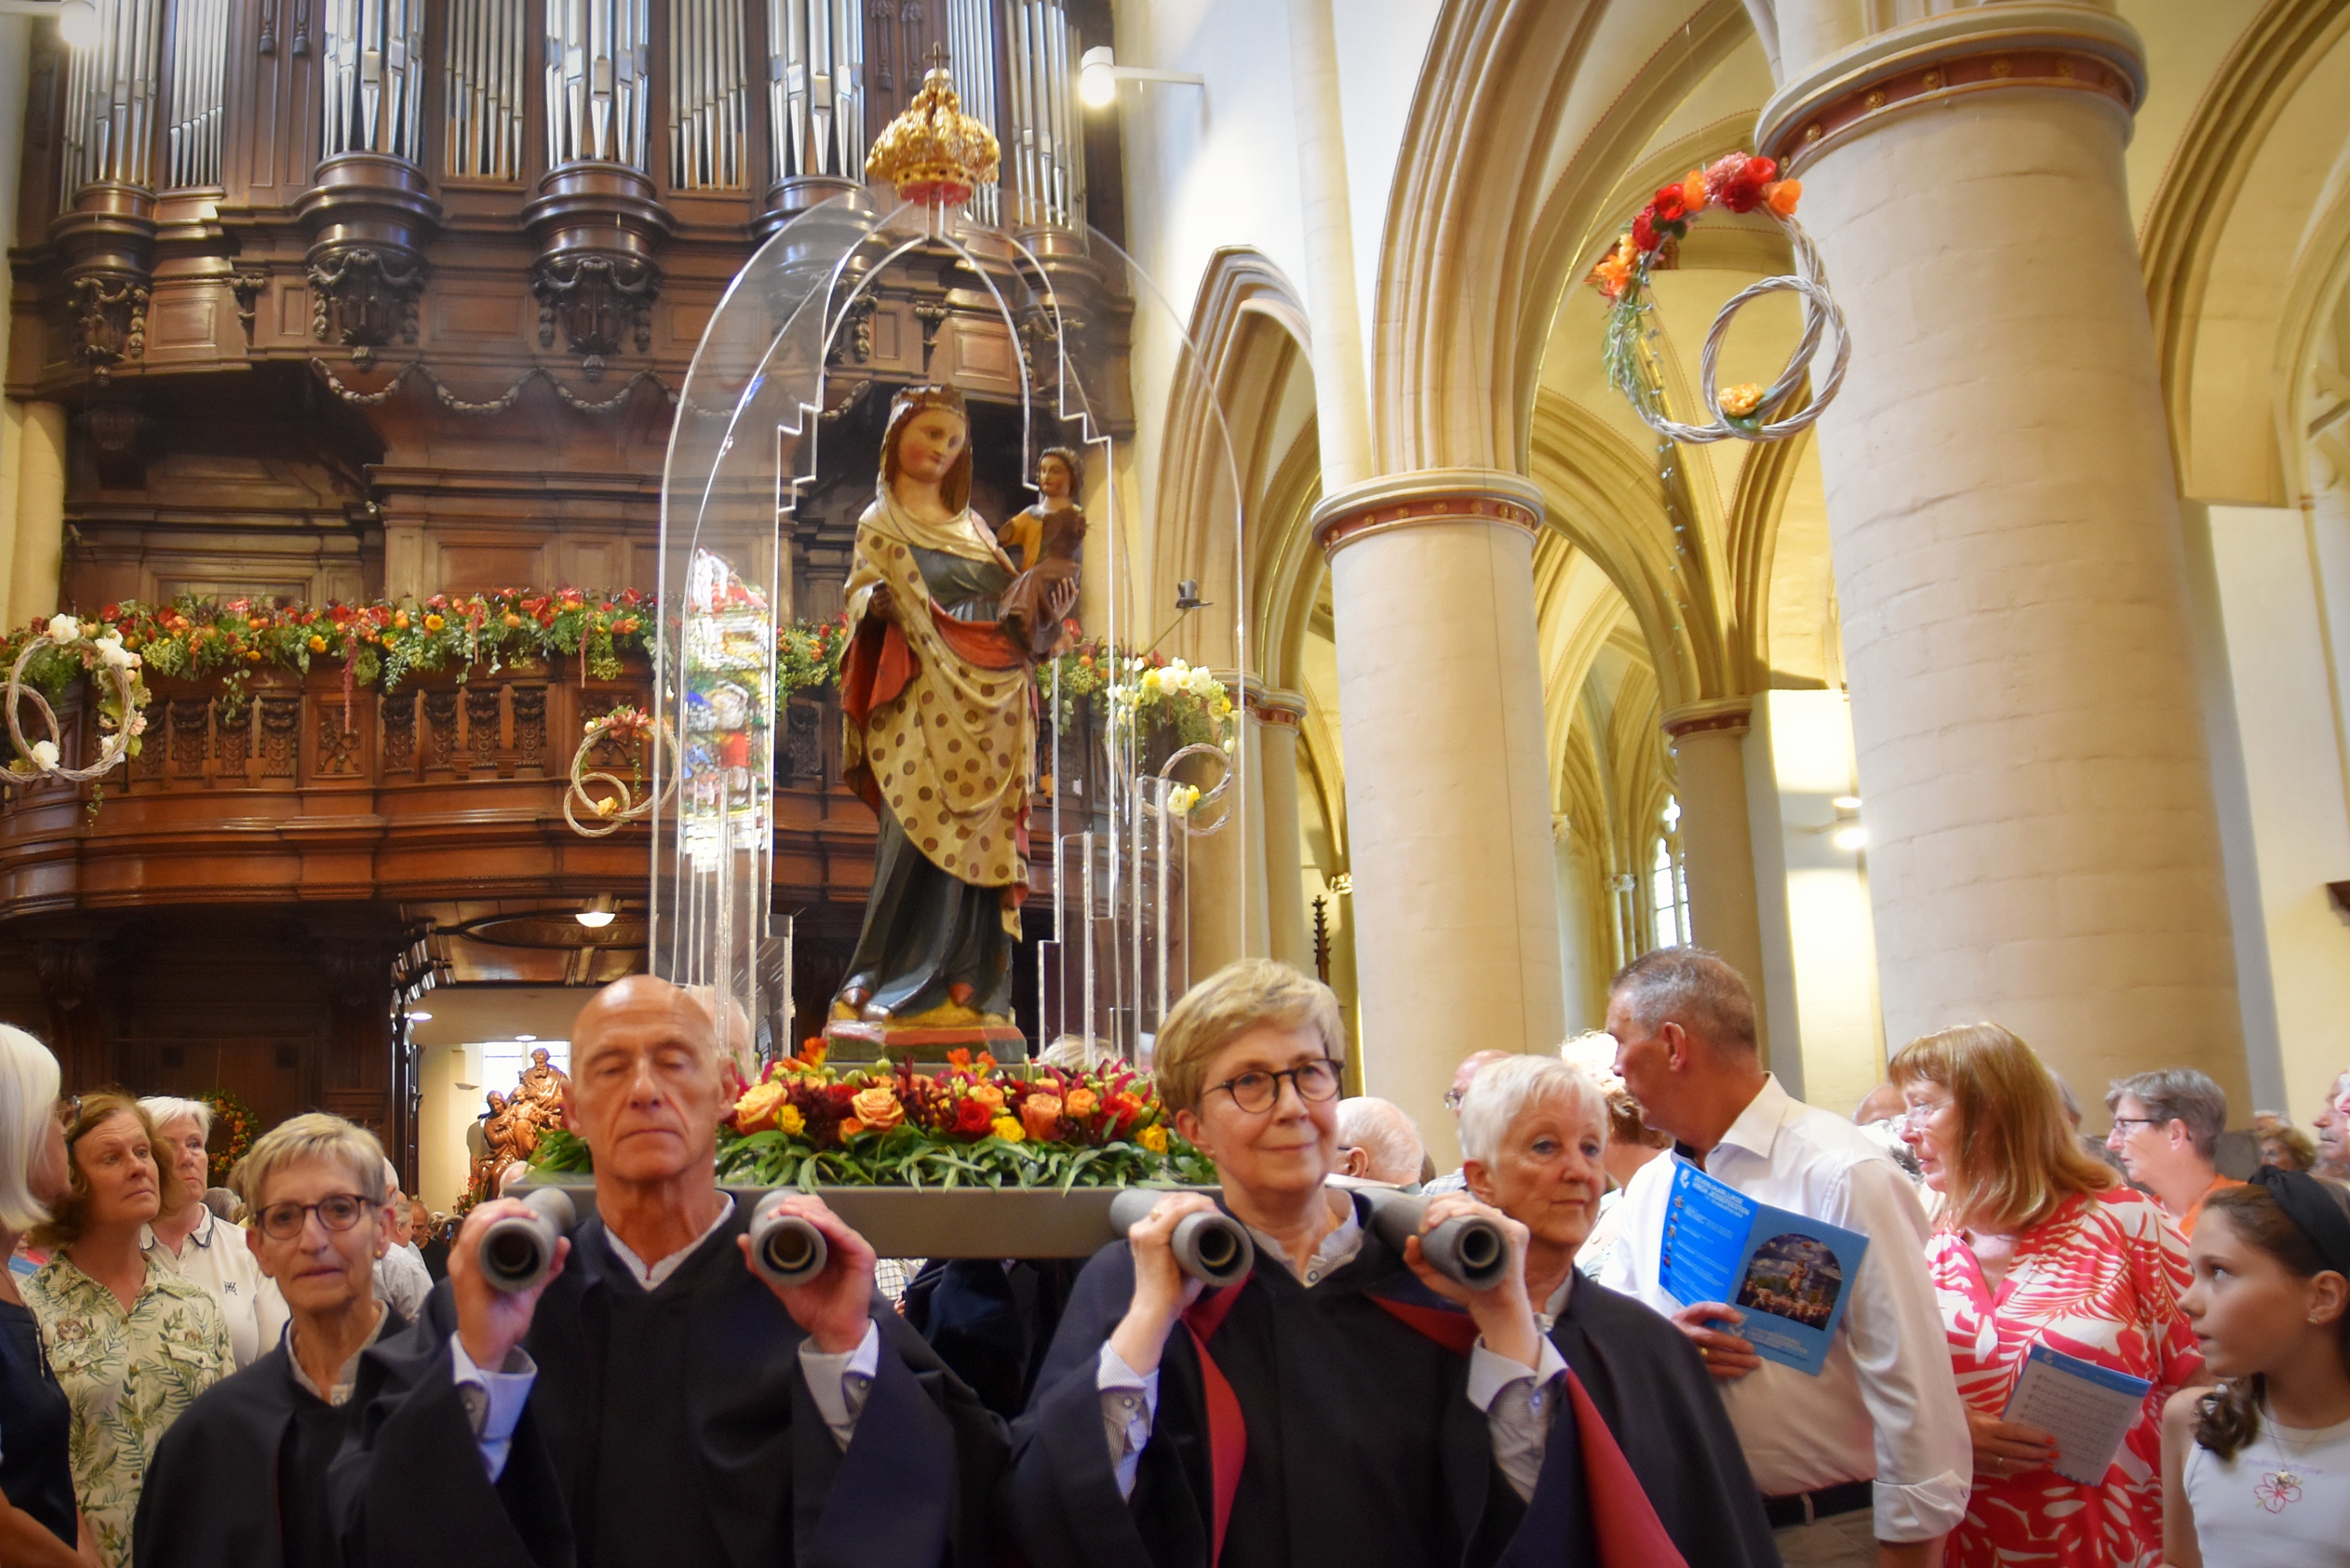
x,y
203,1249
38,1521
1533,1130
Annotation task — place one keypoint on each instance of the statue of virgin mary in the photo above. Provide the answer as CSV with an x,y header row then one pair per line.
x,y
940,735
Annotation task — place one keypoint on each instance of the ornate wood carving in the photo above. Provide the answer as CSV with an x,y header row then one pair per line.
x,y
281,730
530,726
364,298
110,312
600,302
441,715
481,726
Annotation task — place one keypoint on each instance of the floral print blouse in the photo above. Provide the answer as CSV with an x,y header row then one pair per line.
x,y
128,1375
2099,1279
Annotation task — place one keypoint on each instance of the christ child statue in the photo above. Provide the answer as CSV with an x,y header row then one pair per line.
x,y
1050,537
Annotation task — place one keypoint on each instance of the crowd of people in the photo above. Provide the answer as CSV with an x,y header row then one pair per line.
x,y
271,1374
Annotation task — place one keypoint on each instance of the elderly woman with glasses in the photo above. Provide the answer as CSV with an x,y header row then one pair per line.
x,y
1344,1403
319,1224
132,1343
1534,1130
2038,1244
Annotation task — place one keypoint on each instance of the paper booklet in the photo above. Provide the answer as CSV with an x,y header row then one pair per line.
x,y
2087,1408
1787,1273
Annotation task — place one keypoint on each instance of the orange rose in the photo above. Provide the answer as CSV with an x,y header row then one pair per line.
x,y
877,1108
1693,191
1082,1103
850,1126
1041,1115
988,1095
1780,196
756,1110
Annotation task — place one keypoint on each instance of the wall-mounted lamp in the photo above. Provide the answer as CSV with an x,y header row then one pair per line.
x,y
1852,837
77,20
1846,803
1099,74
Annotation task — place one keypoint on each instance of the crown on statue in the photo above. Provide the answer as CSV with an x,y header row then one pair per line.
x,y
934,152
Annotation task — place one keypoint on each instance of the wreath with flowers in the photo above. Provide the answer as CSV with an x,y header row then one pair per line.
x,y
1738,183
234,1118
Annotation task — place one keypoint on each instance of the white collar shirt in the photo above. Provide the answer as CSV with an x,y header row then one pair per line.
x,y
218,1256
651,1275
1885,1406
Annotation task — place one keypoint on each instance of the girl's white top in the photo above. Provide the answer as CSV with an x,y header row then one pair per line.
x,y
2283,1501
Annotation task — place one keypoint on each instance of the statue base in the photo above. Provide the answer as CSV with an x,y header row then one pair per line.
x,y
859,1040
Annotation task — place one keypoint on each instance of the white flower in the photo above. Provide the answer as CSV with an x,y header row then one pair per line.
x,y
111,649
44,753
64,628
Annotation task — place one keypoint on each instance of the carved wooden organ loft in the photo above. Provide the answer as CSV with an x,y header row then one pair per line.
x,y
377,297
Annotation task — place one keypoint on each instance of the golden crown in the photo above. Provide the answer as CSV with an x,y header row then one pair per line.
x,y
934,152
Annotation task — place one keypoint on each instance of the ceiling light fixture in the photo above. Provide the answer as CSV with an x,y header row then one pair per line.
x,y
417,1016
77,20
526,1039
1099,74
599,913
1846,803
1855,837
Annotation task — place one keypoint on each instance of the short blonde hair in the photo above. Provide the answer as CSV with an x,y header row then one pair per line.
x,y
1248,993
2016,1157
313,1135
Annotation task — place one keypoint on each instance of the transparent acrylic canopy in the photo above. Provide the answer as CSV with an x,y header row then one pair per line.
x,y
1119,892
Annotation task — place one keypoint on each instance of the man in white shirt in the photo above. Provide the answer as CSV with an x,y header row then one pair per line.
x,y
1865,1464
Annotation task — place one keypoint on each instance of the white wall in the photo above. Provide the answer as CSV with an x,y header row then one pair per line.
x,y
462,1016
2294,760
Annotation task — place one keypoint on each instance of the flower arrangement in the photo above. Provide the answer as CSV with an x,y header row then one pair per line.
x,y
974,1123
1148,689
73,648
1737,182
808,654
234,1118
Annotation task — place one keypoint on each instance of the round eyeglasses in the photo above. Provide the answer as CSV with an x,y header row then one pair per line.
x,y
1257,1093
284,1221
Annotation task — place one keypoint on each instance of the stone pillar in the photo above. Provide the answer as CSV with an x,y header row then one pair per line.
x,y
1717,845
38,555
2044,848
1226,867
1439,690
1342,397
1275,717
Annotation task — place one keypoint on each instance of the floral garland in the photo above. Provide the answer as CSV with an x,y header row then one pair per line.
x,y
1738,183
807,1124
72,649
232,1114
1150,687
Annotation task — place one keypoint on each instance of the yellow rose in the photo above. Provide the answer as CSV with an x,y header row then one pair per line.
x,y
433,623
757,1111
1741,399
877,1108
789,1120
1153,1138
1008,1130
318,644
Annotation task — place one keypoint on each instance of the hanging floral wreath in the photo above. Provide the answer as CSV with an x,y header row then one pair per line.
x,y
235,1118
1738,183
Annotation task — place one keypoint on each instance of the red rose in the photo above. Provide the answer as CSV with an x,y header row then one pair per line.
x,y
1669,205
971,1118
1742,191
1644,234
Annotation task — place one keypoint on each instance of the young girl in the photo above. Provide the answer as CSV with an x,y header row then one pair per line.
x,y
2256,1473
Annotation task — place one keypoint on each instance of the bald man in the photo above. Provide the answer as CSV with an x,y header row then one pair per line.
x,y
656,1401
1464,1075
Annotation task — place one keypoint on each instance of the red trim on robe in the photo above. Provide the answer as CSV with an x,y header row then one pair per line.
x,y
1227,1430
1624,1524
876,668
981,642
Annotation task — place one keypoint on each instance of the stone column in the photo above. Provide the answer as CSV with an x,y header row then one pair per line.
x,y
1717,845
1342,397
1227,882
39,544
1275,717
1439,690
2044,848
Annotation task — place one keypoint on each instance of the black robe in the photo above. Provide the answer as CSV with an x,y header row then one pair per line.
x,y
1361,1444
240,1479
992,1322
1656,1395
665,1426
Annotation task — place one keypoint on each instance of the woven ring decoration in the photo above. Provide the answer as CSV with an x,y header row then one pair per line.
x,y
617,810
1739,184
117,744
1203,801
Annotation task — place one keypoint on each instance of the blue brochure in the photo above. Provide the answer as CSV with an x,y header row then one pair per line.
x,y
1785,1272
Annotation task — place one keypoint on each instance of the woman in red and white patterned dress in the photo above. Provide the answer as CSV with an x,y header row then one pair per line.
x,y
2040,1245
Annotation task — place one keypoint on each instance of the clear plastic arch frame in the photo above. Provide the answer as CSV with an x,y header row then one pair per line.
x,y
1138,804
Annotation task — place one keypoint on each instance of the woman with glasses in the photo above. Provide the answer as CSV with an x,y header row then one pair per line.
x,y
132,1343
1338,1405
319,1224
2039,1245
